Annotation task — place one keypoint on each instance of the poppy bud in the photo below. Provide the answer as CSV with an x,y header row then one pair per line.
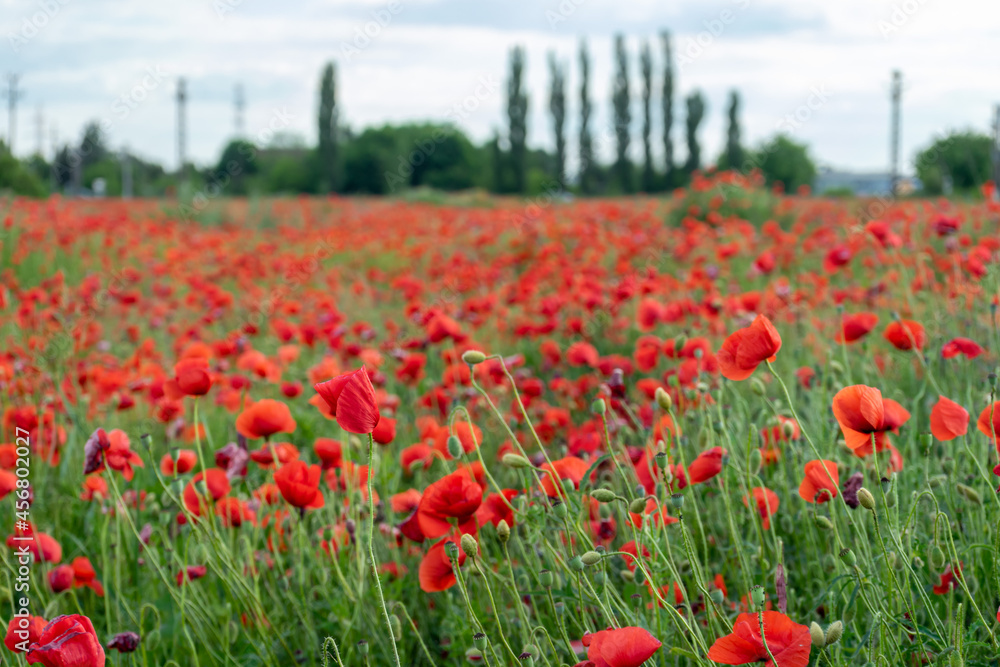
x,y
363,647
680,342
834,632
479,640
717,596
969,494
604,511
560,509
817,635
545,578
473,655
757,595
836,366
756,459
627,575
469,545
822,522
568,485
638,506
603,495
503,531
788,429
757,386
638,576
937,480
866,499
598,407
599,578
661,459
891,559
396,627
663,399
848,557
937,557
591,558
473,357
576,564
677,501
948,465
455,447
515,461
560,607
926,442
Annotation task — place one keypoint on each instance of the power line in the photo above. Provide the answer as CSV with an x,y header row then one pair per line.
x,y
897,94
240,103
13,95
181,125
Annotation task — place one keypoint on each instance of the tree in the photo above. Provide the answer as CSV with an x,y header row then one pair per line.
x,y
648,173
695,114
784,161
496,164
327,121
517,119
668,110
557,107
93,145
623,116
16,178
586,139
734,150
960,160
237,162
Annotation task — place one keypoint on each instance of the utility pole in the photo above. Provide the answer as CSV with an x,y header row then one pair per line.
x,y
126,161
39,132
240,103
897,94
181,127
13,95
996,152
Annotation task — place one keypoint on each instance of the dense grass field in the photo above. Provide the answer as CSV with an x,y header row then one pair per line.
x,y
725,427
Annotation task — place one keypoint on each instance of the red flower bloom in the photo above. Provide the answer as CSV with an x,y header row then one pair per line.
x,y
788,642
707,465
747,348
454,496
190,573
817,478
621,647
855,327
22,632
569,467
67,641
435,571
265,418
352,401
949,580
184,461
385,431
905,335
192,376
989,422
949,420
862,412
207,487
767,503
299,484
956,346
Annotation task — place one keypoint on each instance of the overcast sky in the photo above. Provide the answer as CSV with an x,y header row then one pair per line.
x,y
821,70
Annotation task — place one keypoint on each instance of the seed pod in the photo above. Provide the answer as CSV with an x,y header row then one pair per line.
x,y
886,483
545,578
598,407
638,577
817,635
451,550
473,357
848,557
757,595
591,558
638,506
576,564
926,442
679,343
469,545
717,596
532,650
560,510
663,399
866,499
822,522
503,531
603,495
455,449
515,461
834,632
677,501
363,647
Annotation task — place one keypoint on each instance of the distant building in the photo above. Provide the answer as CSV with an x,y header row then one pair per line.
x,y
862,184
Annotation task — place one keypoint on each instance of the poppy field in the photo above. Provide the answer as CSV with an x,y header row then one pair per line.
x,y
729,426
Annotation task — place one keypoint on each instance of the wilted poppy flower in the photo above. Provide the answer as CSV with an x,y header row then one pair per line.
x,y
956,346
351,398
190,573
299,484
61,578
820,482
192,376
265,418
766,501
949,420
124,642
788,642
621,647
22,632
454,496
436,573
747,348
67,641
855,327
905,335
707,465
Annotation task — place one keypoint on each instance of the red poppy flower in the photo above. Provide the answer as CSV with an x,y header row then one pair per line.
x,y
22,632
385,431
435,571
905,335
949,580
183,462
61,578
329,452
789,642
192,376
582,353
747,348
861,412
299,484
817,479
199,494
956,346
496,508
766,502
707,465
630,548
67,641
621,647
569,467
855,327
454,496
190,573
351,398
949,420
265,418
468,437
